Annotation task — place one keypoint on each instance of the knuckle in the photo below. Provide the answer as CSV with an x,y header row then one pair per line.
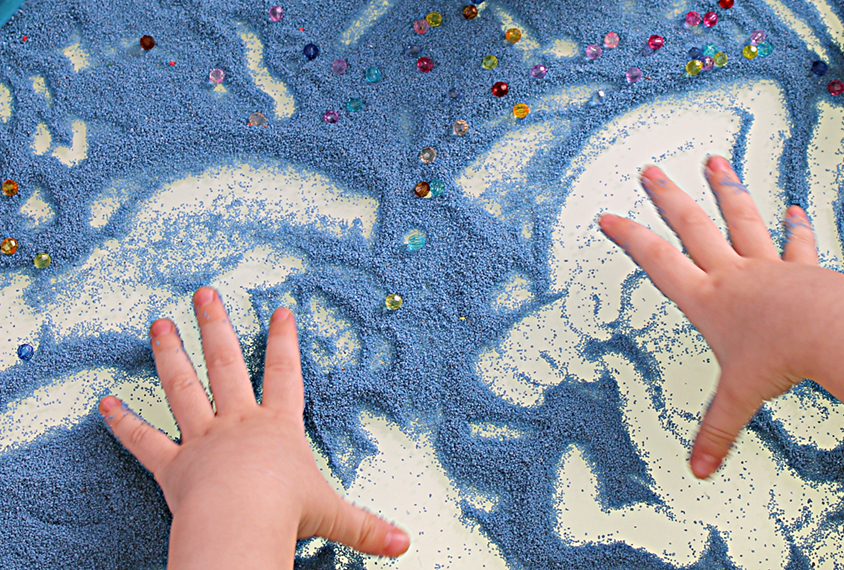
x,y
658,250
716,436
694,218
180,382
745,213
138,434
222,358
281,368
368,531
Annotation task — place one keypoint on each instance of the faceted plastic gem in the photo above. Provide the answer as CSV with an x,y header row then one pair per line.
x,y
412,50
354,105
421,26
428,155
257,120
693,19
513,35
597,98
634,74
9,246
460,127
710,19
757,37
695,53
520,110
339,66
656,42
750,52
765,49
42,260
611,40
216,76
819,68
500,89
708,63
10,187
437,187
490,62
393,301
538,71
710,50
26,352
726,4
836,87
331,116
594,51
422,189
454,94
694,67
720,59
414,240
373,74
311,51
425,64
470,12
434,19
147,42
276,13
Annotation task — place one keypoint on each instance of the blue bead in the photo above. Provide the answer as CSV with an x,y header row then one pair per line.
x,y
311,51
412,51
414,240
819,68
25,352
437,187
695,53
354,104
710,50
764,49
373,74
453,94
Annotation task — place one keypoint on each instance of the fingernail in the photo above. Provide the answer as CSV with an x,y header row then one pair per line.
x,y
203,297
396,543
280,315
160,327
703,465
108,404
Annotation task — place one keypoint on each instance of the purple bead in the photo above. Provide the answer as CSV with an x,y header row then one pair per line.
x,y
594,51
276,13
757,37
216,76
708,62
421,26
634,74
339,66
692,19
425,64
538,71
330,117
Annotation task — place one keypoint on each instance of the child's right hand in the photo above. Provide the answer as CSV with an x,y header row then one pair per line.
x,y
770,322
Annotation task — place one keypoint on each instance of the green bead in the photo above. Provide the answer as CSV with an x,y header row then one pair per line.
x,y
354,104
490,62
765,49
434,19
437,187
393,301
42,260
710,50
721,59
694,67
750,52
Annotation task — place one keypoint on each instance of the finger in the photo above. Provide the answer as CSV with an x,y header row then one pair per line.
x,y
151,447
362,531
185,393
672,272
728,413
748,234
282,366
699,234
227,373
800,244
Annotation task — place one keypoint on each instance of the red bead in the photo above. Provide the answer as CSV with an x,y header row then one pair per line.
x,y
147,43
656,42
425,64
836,87
710,19
500,89
726,4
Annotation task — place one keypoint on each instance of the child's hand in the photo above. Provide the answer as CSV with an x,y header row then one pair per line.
x,y
243,484
769,321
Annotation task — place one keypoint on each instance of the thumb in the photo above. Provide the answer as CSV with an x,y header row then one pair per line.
x,y
728,413
362,530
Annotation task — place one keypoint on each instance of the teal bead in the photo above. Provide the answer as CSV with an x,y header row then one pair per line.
x,y
437,187
765,49
354,104
414,240
373,74
710,50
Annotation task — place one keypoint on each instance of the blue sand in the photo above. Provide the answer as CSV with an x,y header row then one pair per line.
x,y
76,499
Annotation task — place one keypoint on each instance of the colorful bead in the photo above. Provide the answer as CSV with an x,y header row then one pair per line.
x,y
720,59
593,51
257,120
373,74
656,42
454,94
757,37
470,12
26,352
692,19
611,40
695,53
9,246
490,62
750,52
393,302
538,71
710,19
437,187
10,187
708,63
765,49
276,13
434,19
414,240
710,50
339,66
147,43
597,98
331,117
425,64
694,67
460,127
311,51
421,26
819,68
422,189
520,110
513,35
726,4
428,155
354,105
835,87
500,89
633,75
412,50
216,76
42,260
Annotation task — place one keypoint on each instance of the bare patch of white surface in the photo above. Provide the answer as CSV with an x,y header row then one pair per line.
x,y
284,104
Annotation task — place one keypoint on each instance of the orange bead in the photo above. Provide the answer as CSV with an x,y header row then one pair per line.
x,y
9,246
422,189
513,35
10,187
147,43
520,110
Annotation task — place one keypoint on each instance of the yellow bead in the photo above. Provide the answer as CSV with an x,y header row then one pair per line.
x,y
393,301
750,52
10,187
434,19
9,246
694,67
721,59
42,260
521,110
490,62
513,35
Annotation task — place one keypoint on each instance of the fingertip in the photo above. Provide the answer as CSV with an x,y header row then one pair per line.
x,y
160,327
280,315
396,543
650,171
108,404
717,163
203,297
703,464
795,211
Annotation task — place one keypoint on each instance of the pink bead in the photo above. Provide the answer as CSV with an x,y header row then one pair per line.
x,y
692,19
425,64
656,42
421,26
710,19
276,13
836,87
708,63
611,40
594,51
